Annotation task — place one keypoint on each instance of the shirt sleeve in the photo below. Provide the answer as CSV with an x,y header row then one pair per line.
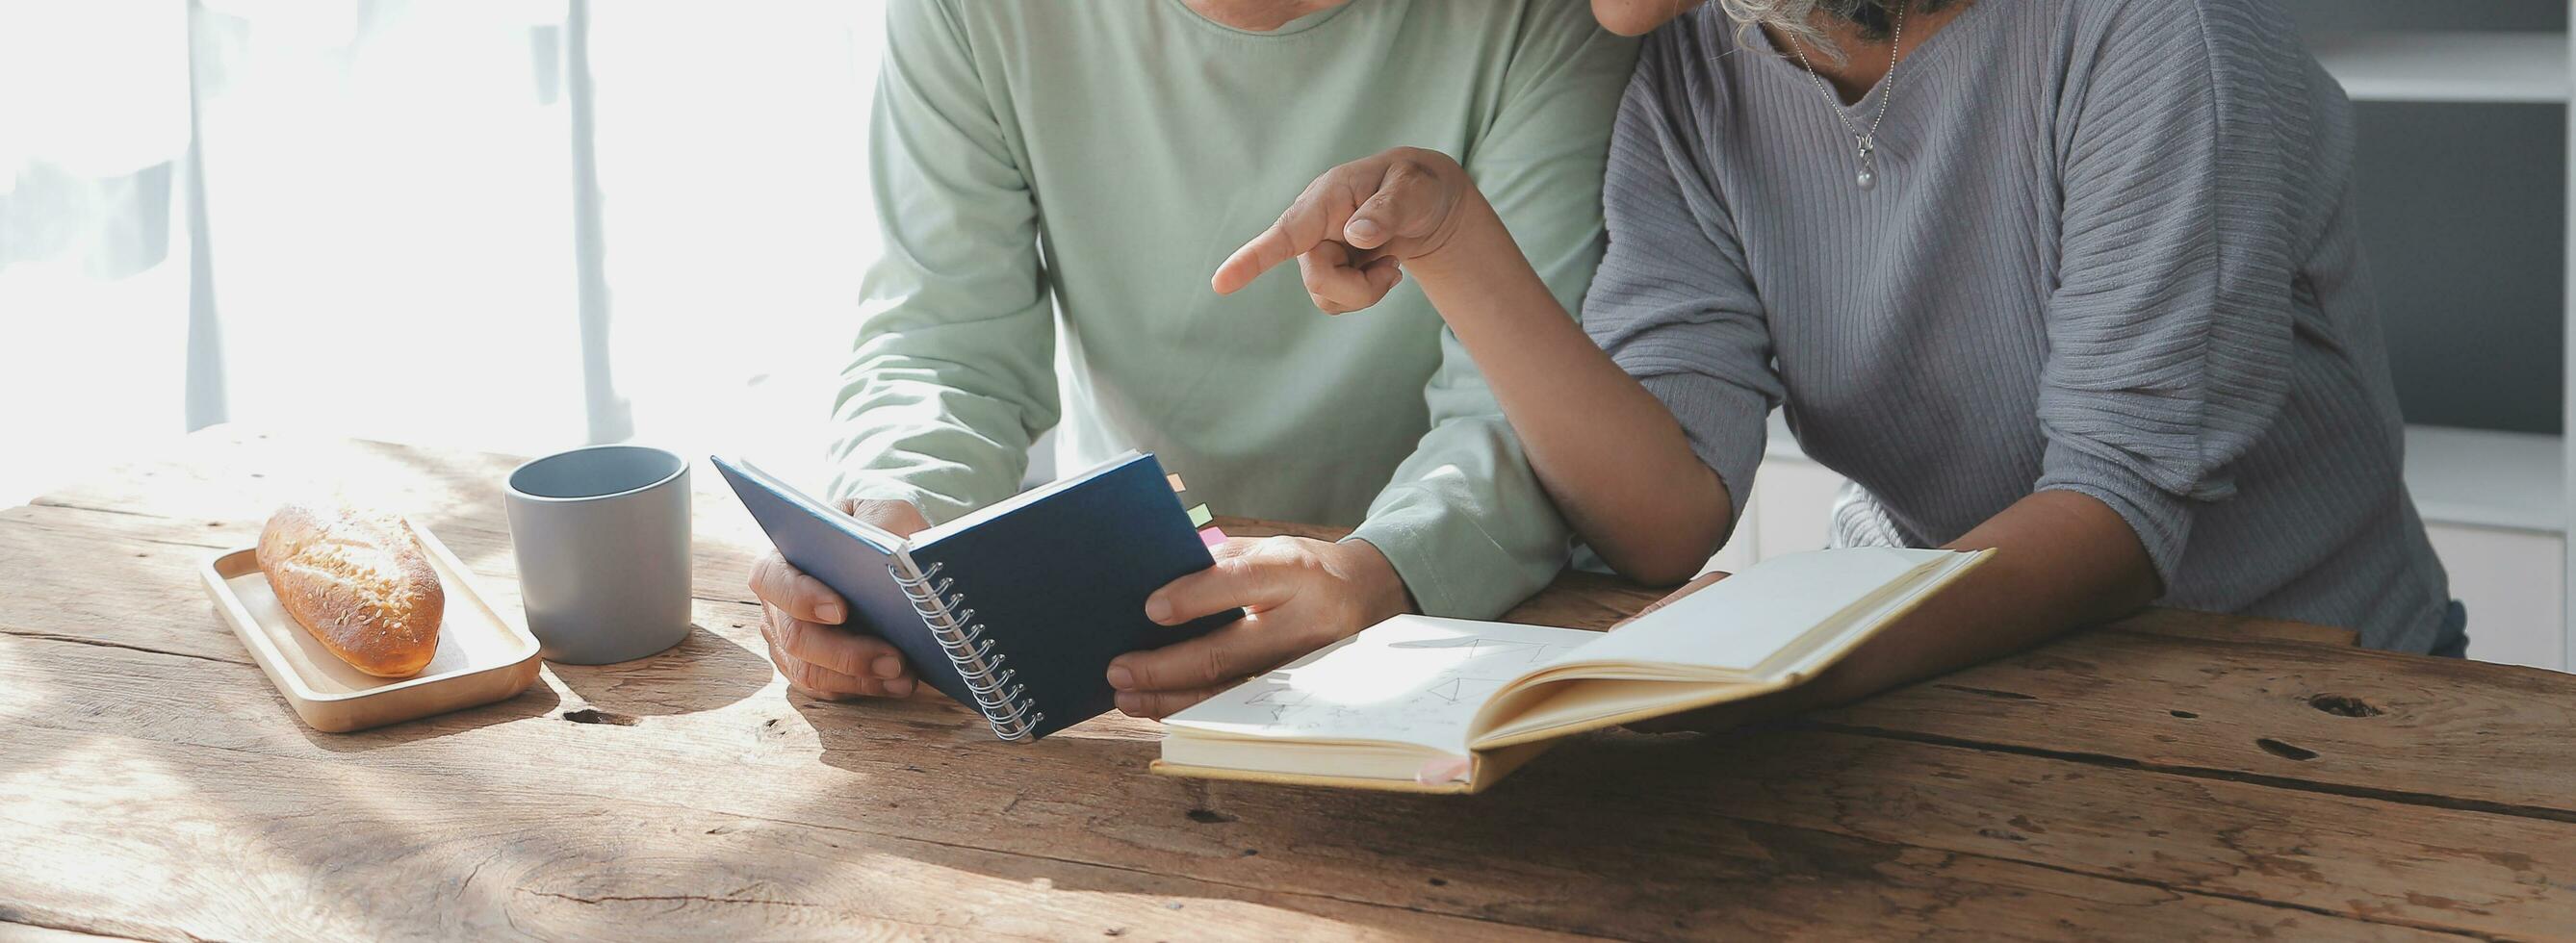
x,y
2170,329
1464,520
1672,303
952,375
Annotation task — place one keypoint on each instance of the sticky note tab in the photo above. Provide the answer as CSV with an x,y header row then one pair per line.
x,y
1199,516
1211,536
1175,479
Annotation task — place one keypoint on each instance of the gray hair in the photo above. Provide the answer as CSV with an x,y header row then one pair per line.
x,y
1795,19
1798,19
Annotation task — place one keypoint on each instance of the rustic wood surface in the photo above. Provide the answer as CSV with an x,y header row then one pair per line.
x,y
2174,775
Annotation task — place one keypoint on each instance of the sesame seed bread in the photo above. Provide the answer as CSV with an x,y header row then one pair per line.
x,y
359,581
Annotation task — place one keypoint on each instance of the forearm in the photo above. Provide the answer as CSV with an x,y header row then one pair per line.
x,y
2062,560
1607,451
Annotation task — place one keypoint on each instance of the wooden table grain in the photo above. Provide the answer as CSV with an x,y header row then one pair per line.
x,y
2175,775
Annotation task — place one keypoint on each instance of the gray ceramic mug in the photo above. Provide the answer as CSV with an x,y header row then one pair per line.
x,y
602,536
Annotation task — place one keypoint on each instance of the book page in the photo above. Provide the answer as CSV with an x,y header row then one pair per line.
x,y
1410,679
1744,620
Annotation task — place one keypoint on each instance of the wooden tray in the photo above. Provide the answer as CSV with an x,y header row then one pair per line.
x,y
482,656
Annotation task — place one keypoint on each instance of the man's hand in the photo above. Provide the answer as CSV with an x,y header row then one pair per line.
x,y
800,618
1355,225
1300,595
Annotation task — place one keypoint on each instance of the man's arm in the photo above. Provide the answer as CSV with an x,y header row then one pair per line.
x,y
952,375
1463,520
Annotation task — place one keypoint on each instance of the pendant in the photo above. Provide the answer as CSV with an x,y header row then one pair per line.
x,y
1868,176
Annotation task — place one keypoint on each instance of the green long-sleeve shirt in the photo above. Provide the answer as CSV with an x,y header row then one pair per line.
x,y
1096,160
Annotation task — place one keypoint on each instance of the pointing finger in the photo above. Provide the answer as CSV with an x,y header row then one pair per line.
x,y
1284,240
1315,216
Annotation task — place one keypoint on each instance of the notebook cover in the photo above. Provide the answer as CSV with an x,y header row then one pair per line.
x,y
826,545
1060,584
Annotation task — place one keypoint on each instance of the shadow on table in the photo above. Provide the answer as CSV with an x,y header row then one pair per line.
x,y
1557,844
536,701
704,672
862,735
1570,843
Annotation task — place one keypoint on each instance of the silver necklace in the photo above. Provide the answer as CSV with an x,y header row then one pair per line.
x,y
1865,142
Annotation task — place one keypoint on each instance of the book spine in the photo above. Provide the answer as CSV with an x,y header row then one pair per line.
x,y
1003,704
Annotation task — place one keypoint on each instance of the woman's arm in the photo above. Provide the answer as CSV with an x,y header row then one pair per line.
x,y
1614,458
1607,451
1616,461
2062,560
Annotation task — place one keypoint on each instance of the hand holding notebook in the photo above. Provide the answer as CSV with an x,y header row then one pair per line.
x,y
1013,610
801,620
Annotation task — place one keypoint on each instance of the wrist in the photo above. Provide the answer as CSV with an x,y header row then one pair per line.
x,y
1470,245
1373,582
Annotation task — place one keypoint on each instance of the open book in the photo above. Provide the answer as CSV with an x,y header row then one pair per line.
x,y
1422,704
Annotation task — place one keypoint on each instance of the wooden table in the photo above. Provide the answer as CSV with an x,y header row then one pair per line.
x,y
2172,776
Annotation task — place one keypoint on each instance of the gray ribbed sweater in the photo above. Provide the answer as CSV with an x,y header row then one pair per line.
x,y
2111,251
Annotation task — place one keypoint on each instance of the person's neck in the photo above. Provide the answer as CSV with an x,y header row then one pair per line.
x,y
1259,16
1864,63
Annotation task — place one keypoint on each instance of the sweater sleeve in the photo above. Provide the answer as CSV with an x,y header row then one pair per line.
x,y
1672,303
1464,520
953,372
2170,327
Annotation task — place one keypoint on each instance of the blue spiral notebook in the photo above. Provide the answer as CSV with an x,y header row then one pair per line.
x,y
1015,609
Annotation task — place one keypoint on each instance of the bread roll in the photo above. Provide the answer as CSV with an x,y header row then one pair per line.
x,y
359,581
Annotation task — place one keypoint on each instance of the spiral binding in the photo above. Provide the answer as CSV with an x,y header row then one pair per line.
x,y
961,637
